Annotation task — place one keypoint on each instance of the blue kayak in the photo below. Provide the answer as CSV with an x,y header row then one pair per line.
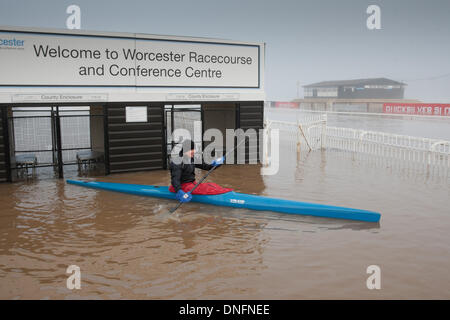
x,y
240,200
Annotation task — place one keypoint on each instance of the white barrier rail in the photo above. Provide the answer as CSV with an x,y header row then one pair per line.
x,y
308,132
358,113
313,131
407,148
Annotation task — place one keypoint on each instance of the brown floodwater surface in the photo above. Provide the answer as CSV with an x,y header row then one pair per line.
x,y
127,247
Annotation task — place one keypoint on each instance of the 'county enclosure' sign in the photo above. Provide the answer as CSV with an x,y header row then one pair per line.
x,y
41,59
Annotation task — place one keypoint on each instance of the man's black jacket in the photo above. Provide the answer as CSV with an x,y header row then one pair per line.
x,y
185,172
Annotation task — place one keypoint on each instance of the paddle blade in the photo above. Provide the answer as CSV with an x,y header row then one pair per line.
x,y
175,209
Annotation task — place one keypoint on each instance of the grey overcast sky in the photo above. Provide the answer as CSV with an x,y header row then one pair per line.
x,y
306,40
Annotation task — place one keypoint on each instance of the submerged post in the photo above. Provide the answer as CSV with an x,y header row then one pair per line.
x,y
324,132
298,141
303,134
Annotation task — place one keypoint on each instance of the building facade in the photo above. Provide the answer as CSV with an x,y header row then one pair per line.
x,y
129,87
376,88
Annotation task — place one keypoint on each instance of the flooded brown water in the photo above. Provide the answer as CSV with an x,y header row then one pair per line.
x,y
127,248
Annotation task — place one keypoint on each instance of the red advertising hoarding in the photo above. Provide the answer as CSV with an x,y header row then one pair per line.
x,y
426,109
292,105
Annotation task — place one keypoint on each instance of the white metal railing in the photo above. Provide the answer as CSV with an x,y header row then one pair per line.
x,y
313,131
407,148
308,132
269,110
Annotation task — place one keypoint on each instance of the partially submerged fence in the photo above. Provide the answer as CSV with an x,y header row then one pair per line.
x,y
407,148
311,132
308,132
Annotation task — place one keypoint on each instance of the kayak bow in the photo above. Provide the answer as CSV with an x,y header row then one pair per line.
x,y
240,200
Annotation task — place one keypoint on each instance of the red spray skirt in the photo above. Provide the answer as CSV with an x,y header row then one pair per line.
x,y
204,188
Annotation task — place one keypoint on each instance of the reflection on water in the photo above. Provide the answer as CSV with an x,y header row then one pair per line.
x,y
127,247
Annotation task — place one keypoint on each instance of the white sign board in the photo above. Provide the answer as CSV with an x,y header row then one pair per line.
x,y
44,59
202,97
61,97
136,114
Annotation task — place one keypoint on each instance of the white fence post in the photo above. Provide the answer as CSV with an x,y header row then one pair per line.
x,y
324,132
299,138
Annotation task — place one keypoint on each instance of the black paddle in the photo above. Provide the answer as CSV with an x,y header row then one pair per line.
x,y
204,177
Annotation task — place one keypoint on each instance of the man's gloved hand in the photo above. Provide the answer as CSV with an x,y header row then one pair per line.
x,y
218,161
183,196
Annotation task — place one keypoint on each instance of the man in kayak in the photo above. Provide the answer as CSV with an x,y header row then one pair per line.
x,y
183,174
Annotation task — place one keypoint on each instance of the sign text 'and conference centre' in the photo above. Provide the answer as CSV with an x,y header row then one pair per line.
x,y
42,59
